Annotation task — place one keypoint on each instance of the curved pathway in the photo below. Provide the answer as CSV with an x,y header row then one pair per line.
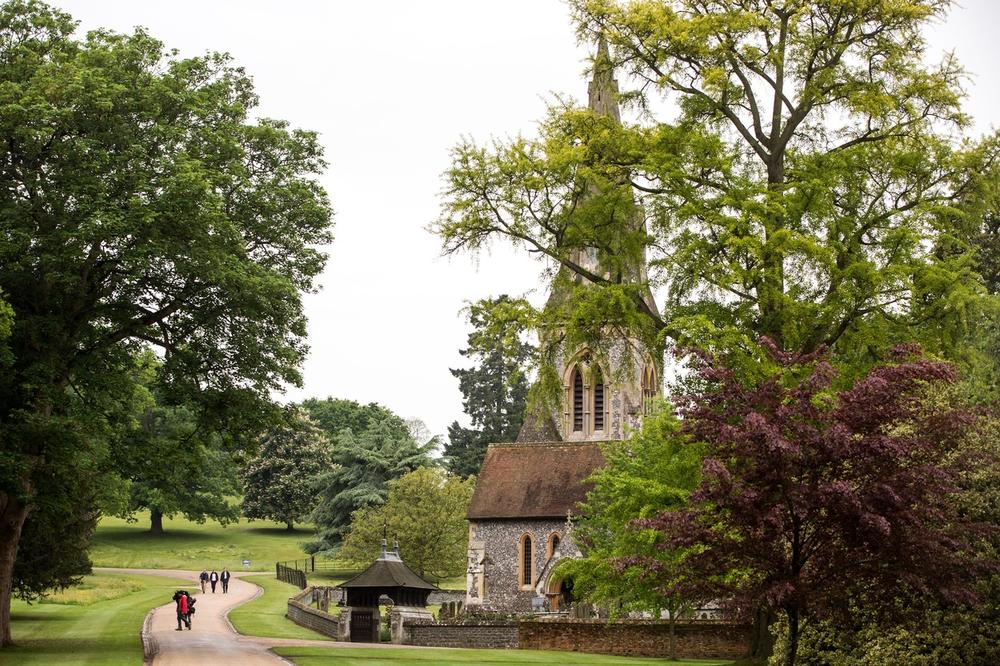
x,y
212,640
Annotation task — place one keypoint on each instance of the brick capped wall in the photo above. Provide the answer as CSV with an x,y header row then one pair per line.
x,y
637,638
472,636
301,614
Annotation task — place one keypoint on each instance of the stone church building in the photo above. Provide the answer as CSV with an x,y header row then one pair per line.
x,y
527,491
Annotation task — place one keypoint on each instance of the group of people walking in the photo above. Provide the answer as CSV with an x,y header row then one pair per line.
x,y
185,608
185,602
214,578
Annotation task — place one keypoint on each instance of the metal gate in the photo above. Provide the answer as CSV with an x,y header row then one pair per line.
x,y
362,629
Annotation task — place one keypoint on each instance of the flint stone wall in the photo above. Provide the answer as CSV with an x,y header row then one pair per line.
x,y
500,541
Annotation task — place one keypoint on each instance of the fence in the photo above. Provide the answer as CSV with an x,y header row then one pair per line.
x,y
290,575
294,571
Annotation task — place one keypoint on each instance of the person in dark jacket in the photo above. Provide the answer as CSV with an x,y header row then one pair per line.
x,y
181,598
213,578
225,580
204,580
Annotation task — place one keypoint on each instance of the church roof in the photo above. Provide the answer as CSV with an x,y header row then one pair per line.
x,y
537,480
538,427
386,572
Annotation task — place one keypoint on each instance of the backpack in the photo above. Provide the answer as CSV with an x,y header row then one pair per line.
x,y
191,601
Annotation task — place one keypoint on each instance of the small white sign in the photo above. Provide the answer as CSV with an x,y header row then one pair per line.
x,y
246,564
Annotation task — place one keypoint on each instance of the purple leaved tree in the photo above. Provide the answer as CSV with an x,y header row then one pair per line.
x,y
811,498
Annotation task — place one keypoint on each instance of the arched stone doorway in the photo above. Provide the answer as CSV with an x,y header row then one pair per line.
x,y
559,592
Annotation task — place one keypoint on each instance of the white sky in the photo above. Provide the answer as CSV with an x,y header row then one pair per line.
x,y
391,86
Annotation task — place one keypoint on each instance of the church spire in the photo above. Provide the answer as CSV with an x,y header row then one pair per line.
x,y
603,88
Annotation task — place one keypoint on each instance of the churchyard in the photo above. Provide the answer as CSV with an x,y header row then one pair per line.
x,y
324,339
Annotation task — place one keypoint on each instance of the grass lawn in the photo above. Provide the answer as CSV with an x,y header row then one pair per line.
x,y
426,657
265,615
188,545
97,623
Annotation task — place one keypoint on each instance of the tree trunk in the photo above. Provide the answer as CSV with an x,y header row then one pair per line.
x,y
673,637
792,646
289,526
155,521
12,516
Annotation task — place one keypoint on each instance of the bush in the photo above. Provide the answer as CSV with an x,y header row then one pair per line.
x,y
937,638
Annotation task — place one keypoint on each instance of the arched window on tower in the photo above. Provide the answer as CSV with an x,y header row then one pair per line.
x,y
648,388
577,399
598,399
525,563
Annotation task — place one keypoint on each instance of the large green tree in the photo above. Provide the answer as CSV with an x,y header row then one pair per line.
x,y
332,415
796,184
363,465
278,482
425,514
625,567
172,463
494,390
142,205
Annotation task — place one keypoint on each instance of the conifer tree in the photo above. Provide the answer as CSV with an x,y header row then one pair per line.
x,y
494,390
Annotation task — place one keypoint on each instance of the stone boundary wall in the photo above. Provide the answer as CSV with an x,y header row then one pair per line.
x,y
703,639
301,614
150,647
500,635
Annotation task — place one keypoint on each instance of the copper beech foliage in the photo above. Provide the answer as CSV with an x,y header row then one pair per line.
x,y
811,499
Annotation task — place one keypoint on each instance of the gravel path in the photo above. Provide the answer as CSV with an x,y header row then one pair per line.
x,y
212,641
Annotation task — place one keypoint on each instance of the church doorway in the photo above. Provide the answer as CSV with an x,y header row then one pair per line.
x,y
560,593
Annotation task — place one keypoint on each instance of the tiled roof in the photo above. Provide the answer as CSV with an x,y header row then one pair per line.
x,y
541,480
538,428
388,573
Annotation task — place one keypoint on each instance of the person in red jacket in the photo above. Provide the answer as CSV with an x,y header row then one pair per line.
x,y
183,609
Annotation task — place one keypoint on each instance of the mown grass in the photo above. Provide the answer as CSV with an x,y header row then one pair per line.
x,y
425,657
189,545
98,624
265,615
93,589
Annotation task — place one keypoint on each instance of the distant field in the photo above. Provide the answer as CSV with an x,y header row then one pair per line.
x,y
188,545
96,623
427,657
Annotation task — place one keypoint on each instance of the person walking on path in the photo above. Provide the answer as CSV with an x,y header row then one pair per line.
x,y
225,580
213,578
190,611
204,580
181,599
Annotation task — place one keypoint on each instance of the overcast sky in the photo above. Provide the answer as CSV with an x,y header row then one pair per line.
x,y
391,86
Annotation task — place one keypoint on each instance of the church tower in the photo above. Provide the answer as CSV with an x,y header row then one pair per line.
x,y
604,392
526,491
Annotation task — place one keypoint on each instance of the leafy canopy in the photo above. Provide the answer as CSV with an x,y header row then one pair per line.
x,y
143,205
811,498
278,482
363,466
800,184
332,415
624,566
425,512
